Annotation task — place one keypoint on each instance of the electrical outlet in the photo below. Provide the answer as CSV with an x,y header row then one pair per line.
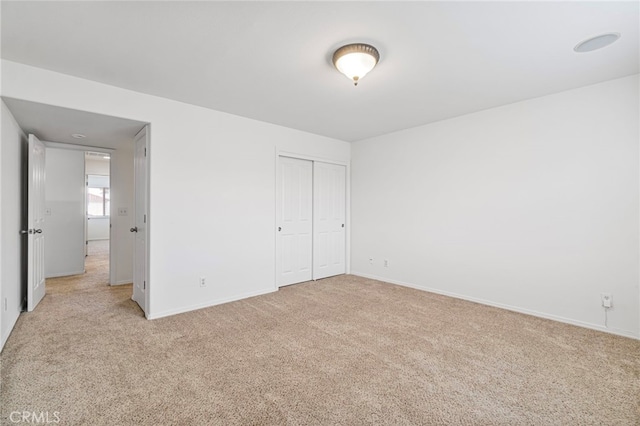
x,y
371,261
123,211
386,263
203,282
607,301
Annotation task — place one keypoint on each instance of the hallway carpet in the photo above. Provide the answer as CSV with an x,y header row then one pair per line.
x,y
340,351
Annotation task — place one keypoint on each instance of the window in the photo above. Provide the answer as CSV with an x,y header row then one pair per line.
x,y
98,195
98,202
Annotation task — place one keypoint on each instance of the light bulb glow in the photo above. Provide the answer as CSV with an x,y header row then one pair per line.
x,y
355,64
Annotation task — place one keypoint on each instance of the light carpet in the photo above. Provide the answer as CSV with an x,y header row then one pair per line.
x,y
340,351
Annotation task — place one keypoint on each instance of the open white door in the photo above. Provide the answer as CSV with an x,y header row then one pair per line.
x,y
329,213
294,217
35,223
140,217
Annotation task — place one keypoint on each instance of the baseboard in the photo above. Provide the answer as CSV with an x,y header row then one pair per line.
x,y
65,274
170,312
122,282
616,331
10,330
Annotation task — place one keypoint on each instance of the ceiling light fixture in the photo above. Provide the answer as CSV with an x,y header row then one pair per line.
x,y
597,42
356,60
78,136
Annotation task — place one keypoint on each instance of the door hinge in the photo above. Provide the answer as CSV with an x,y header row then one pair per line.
x,y
145,152
145,218
144,285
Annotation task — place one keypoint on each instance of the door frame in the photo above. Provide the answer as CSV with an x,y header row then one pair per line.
x,y
298,156
103,150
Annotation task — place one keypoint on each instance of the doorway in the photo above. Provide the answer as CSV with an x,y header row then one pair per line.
x,y
79,132
98,208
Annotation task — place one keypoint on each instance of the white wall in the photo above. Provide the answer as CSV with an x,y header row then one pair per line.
x,y
65,214
98,228
212,186
532,206
97,167
12,292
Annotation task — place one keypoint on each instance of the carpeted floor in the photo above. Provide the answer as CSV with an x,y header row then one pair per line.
x,y
98,249
340,351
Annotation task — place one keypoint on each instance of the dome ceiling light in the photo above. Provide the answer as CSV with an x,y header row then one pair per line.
x,y
356,60
597,42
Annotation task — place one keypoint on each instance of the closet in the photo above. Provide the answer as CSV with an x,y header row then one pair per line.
x,y
310,216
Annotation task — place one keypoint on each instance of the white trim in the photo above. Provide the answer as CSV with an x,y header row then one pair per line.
x,y
113,241
10,330
122,282
147,208
310,158
209,304
348,219
616,331
276,179
75,147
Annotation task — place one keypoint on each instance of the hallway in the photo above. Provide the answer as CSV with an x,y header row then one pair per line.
x,y
95,278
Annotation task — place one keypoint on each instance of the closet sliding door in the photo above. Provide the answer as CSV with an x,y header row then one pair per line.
x,y
294,216
310,215
329,211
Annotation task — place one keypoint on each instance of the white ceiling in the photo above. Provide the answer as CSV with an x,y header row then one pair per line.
x,y
272,60
55,124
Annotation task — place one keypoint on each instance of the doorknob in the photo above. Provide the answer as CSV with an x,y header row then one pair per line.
x,y
279,228
30,231
343,225
134,229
